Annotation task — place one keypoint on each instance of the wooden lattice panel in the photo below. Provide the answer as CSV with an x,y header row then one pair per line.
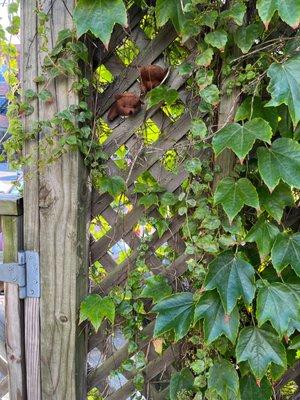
x,y
143,157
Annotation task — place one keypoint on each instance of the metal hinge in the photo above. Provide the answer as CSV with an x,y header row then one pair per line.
x,y
25,273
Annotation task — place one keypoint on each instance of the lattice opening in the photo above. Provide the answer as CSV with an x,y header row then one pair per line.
x,y
149,131
122,157
170,161
166,254
103,77
99,227
97,272
103,130
121,205
175,53
175,110
120,251
143,230
148,25
127,51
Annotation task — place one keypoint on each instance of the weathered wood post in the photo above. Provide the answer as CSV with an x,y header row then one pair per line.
x,y
56,207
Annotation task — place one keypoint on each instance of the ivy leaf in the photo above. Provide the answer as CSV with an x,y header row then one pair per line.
x,y
260,348
245,36
223,380
205,58
210,94
173,10
156,288
286,251
280,161
162,93
284,86
275,202
253,107
217,38
148,200
288,10
95,308
114,185
233,278
251,391
240,138
278,304
233,195
263,233
216,322
168,199
236,13
198,128
99,17
208,18
174,313
180,381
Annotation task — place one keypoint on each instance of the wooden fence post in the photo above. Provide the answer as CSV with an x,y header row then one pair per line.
x,y
56,214
12,229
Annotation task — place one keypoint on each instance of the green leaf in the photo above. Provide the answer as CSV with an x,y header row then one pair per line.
x,y
295,343
148,200
286,251
210,94
168,199
251,391
156,288
216,321
95,308
99,17
180,381
260,348
162,94
175,313
217,38
233,278
173,10
234,194
288,10
275,202
263,233
114,185
198,128
223,380
240,138
236,12
205,58
278,304
245,36
45,95
280,161
208,18
284,86
253,107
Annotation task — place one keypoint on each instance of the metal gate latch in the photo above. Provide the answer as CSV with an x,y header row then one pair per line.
x,y
25,273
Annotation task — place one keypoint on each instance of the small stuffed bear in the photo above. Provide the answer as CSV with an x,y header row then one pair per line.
x,y
126,104
152,76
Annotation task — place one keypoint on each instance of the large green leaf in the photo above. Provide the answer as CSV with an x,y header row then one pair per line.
x,y
223,380
95,308
263,233
284,85
251,391
171,10
260,348
288,10
99,17
286,251
174,313
233,277
245,36
216,322
278,304
275,202
280,161
114,185
233,195
183,379
217,39
156,288
236,12
253,107
240,138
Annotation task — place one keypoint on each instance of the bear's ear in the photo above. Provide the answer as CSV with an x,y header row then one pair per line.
x,y
113,113
118,96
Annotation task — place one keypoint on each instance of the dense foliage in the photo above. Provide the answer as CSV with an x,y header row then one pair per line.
x,y
240,315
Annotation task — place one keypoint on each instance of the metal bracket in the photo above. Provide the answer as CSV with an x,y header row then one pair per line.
x,y
25,273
